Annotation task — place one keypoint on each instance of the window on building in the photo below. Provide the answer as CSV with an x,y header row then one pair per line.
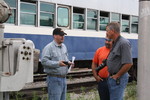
x,y
28,13
104,20
47,14
63,17
91,19
125,23
78,18
12,4
134,24
115,17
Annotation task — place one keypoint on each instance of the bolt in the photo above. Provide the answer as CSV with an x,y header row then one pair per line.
x,y
25,53
21,52
24,47
29,53
27,58
28,47
23,58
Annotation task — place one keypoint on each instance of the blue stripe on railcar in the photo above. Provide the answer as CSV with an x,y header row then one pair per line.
x,y
134,45
82,48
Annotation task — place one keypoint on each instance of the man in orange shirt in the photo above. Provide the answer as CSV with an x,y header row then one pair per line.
x,y
102,75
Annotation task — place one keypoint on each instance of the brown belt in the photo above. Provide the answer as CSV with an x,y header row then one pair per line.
x,y
61,76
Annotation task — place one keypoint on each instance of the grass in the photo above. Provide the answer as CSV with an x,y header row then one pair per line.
x,y
130,94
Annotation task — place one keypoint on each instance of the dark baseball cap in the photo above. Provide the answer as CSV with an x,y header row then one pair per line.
x,y
59,31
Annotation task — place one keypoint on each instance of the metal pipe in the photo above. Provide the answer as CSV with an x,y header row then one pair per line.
x,y
143,82
5,12
1,39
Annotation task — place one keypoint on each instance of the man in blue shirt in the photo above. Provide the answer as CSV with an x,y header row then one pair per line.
x,y
53,56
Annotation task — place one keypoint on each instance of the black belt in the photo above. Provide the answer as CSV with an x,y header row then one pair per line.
x,y
104,79
61,76
111,74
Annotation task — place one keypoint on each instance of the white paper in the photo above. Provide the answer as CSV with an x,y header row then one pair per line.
x,y
73,58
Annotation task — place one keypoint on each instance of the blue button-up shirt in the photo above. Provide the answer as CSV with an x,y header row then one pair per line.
x,y
51,55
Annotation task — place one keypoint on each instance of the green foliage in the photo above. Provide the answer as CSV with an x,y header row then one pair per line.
x,y
68,96
18,96
35,97
130,92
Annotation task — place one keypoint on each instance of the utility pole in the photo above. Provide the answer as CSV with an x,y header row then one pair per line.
x,y
143,83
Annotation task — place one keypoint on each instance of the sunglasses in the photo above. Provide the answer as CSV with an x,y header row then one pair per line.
x,y
109,40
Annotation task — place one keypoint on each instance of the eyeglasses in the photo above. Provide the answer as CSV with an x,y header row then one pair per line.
x,y
109,40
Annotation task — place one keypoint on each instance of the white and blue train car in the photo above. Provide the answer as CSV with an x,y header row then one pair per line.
x,y
84,21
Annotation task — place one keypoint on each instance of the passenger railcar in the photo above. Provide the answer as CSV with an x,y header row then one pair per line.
x,y
84,21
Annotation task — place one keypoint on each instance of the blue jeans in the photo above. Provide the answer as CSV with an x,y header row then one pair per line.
x,y
117,91
57,88
103,90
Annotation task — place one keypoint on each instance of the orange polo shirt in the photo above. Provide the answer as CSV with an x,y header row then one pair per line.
x,y
100,55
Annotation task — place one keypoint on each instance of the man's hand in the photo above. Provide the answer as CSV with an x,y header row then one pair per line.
x,y
61,63
98,79
64,63
70,63
114,76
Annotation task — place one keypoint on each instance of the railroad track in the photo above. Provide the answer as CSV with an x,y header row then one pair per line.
x,y
77,81
73,78
74,74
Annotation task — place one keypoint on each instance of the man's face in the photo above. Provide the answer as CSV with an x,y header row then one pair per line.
x,y
59,39
108,43
109,33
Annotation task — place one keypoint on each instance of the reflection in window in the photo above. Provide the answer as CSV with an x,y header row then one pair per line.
x,y
63,17
104,20
46,14
78,18
91,19
27,19
12,4
28,13
125,23
134,24
115,17
28,7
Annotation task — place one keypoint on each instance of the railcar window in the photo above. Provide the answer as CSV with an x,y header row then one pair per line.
x,y
28,13
134,24
91,19
104,20
12,4
78,18
125,23
47,14
115,17
63,17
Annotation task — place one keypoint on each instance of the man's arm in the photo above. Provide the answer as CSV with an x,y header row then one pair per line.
x,y
95,72
46,58
126,59
122,71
